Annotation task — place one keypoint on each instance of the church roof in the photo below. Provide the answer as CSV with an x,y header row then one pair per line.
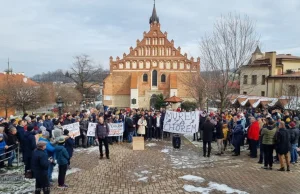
x,y
257,50
154,17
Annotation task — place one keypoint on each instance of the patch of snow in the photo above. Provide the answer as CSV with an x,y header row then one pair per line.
x,y
191,188
165,150
154,177
193,178
138,175
145,172
224,188
151,144
93,149
144,179
55,172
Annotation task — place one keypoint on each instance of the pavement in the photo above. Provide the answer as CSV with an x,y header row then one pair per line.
x,y
161,169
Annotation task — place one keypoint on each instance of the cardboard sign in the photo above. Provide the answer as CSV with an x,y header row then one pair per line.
x,y
115,129
73,129
138,143
181,122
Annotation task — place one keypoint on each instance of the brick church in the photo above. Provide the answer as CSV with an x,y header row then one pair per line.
x,y
153,67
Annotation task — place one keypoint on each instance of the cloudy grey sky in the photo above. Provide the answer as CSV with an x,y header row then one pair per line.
x,y
44,35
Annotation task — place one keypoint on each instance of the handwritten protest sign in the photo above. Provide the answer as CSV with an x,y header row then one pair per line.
x,y
181,122
115,129
73,129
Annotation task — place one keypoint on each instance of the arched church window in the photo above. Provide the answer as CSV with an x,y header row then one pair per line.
x,y
154,78
163,78
145,78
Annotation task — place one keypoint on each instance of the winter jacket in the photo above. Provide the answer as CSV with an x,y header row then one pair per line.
x,y
130,124
283,144
57,132
67,122
49,126
207,129
84,125
40,163
150,121
225,131
2,148
219,130
294,135
20,133
142,126
29,144
12,141
102,130
268,135
253,131
62,155
69,145
237,135
50,149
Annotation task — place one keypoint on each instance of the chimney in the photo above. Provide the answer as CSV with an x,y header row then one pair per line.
x,y
272,57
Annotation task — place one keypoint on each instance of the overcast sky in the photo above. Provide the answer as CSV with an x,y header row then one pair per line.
x,y
44,35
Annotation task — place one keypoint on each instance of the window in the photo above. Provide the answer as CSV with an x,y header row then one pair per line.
x,y
263,93
154,78
254,80
245,93
163,78
245,79
263,80
145,78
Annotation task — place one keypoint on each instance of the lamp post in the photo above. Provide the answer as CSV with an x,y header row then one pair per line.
x,y
60,104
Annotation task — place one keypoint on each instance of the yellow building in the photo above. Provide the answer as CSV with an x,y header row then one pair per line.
x,y
269,74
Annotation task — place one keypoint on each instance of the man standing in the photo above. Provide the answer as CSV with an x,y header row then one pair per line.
x,y
294,134
207,129
220,136
101,136
48,124
253,136
283,146
84,125
149,132
131,127
157,126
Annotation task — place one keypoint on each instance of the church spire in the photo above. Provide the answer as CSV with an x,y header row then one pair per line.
x,y
154,18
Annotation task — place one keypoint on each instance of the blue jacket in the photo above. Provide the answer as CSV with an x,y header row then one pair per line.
x,y
237,135
50,149
20,133
49,126
29,144
2,147
40,163
69,144
62,155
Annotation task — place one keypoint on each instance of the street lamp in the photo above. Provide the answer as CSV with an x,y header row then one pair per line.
x,y
60,104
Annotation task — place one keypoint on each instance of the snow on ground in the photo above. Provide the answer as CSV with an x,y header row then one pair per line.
x,y
193,178
212,186
165,150
87,150
55,172
151,144
143,179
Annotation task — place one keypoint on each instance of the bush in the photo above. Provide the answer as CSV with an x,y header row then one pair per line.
x,y
189,106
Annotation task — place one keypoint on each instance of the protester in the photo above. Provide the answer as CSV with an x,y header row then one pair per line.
x,y
57,131
237,137
149,129
283,146
68,120
219,136
62,158
207,129
268,135
158,129
294,137
69,145
253,137
40,164
29,146
84,124
142,123
12,143
3,148
101,136
226,134
48,124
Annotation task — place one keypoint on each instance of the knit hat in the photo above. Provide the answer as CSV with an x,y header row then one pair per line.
x,y
61,139
66,132
42,128
40,144
45,134
292,124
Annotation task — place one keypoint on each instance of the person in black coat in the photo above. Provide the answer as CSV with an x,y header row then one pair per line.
x,y
69,145
40,165
219,135
29,146
131,127
207,129
149,129
283,146
12,143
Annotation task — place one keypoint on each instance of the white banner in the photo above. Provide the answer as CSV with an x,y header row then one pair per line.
x,y
181,122
73,129
115,129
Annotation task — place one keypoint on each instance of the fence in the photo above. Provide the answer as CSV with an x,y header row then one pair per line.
x,y
9,154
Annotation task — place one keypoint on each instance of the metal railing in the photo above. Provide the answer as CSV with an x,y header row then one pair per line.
x,y
8,154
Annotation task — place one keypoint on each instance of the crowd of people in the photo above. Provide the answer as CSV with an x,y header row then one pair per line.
x,y
43,143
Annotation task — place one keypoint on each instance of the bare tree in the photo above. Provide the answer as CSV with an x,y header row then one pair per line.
x,y
70,95
226,50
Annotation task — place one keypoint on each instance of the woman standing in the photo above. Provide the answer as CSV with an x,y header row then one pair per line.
x,y
283,146
142,123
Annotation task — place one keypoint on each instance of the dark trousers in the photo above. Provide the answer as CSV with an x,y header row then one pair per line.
x,y
195,136
253,147
62,170
204,148
268,155
27,162
261,152
237,149
42,184
158,132
149,132
77,141
225,141
105,142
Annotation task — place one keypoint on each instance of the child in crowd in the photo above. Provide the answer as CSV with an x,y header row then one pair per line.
x,y
69,145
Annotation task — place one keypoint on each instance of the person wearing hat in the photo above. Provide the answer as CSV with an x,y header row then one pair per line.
x,y
3,147
40,165
50,150
69,145
29,146
62,158
237,137
294,135
268,141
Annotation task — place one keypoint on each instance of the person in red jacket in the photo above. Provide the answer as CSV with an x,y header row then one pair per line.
x,y
253,137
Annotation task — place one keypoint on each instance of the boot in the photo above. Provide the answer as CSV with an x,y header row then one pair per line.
x,y
281,169
288,168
